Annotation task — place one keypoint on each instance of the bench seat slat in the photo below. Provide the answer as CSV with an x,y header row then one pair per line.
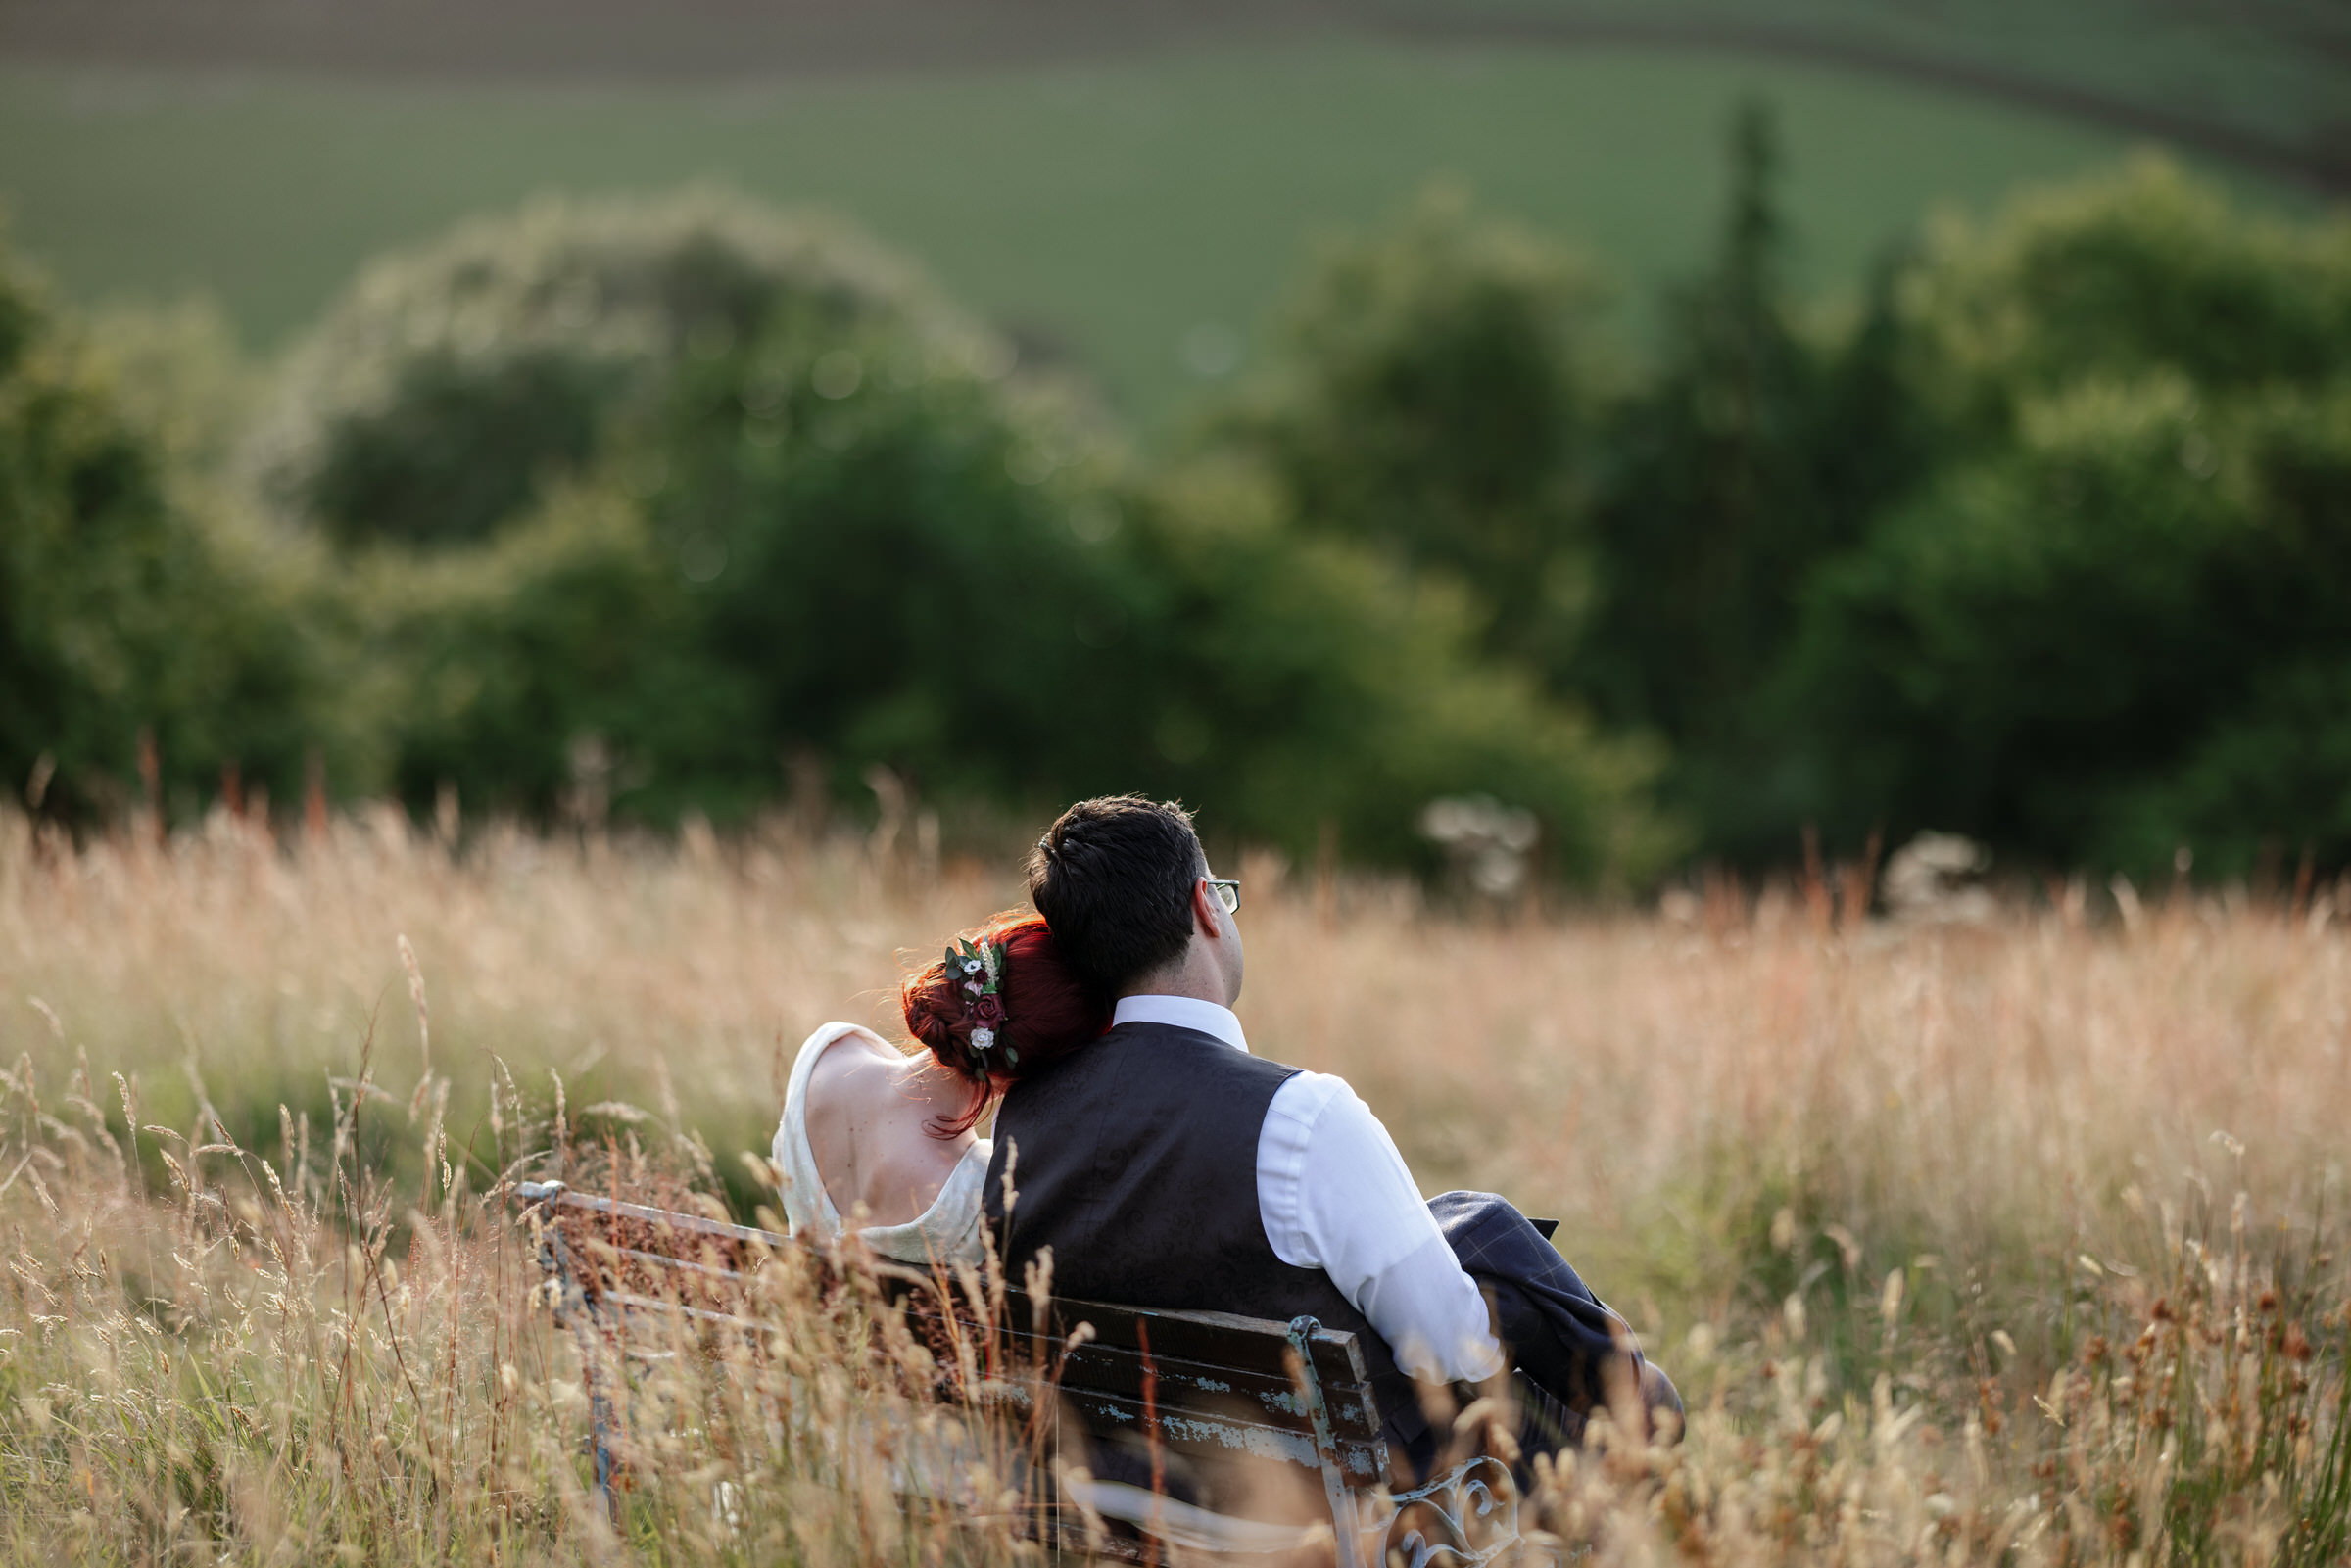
x,y
1221,1435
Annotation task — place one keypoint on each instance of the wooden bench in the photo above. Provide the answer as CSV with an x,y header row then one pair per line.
x,y
1206,1432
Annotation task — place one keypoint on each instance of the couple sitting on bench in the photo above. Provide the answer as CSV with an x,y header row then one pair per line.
x,y
1162,1163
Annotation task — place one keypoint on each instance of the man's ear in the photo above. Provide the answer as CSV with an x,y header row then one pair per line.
x,y
1204,909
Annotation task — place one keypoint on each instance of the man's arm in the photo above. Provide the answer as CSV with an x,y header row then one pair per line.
x,y
1335,1195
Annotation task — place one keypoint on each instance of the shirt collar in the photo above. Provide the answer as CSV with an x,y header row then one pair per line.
x,y
1184,1013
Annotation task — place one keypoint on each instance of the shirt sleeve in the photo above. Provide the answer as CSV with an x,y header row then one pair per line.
x,y
1335,1195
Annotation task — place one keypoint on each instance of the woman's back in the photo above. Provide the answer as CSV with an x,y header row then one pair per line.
x,y
867,1109
855,1144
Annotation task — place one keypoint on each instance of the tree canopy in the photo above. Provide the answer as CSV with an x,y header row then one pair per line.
x,y
684,494
634,506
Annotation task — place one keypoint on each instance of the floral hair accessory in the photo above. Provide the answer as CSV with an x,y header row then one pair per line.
x,y
978,972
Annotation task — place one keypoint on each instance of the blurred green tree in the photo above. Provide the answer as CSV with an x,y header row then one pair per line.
x,y
1756,450
2266,785
899,555
914,565
2143,270
1434,393
124,608
1302,683
825,521
477,428
555,672
451,386
2116,619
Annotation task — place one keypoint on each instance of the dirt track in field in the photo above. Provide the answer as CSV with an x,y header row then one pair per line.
x,y
560,40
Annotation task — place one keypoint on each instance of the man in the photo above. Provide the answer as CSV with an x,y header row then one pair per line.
x,y
1167,1167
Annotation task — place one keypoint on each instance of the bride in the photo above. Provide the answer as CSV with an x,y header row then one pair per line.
x,y
884,1141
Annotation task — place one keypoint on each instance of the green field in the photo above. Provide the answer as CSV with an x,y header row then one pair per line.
x,y
1111,208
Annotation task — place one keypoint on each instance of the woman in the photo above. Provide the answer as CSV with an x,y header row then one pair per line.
x,y
883,1141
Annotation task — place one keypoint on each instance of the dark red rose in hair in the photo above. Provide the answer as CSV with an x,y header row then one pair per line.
x,y
985,1010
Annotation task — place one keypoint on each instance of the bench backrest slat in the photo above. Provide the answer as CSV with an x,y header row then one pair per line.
x,y
534,1192
1231,1369
1226,1337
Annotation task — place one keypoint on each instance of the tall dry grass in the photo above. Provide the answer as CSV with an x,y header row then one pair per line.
x,y
2012,1243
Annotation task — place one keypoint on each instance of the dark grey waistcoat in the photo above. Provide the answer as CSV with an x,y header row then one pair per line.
x,y
1137,1165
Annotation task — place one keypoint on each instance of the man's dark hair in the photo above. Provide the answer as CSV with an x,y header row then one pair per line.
x,y
1114,880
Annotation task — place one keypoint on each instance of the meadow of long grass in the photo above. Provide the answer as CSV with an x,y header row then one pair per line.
x,y
2015,1242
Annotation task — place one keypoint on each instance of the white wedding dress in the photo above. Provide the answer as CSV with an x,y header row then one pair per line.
x,y
946,1232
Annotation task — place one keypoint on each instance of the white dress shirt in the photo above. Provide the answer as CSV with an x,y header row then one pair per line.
x,y
1335,1195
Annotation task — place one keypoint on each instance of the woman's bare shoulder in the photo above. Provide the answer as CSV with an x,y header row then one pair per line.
x,y
854,1068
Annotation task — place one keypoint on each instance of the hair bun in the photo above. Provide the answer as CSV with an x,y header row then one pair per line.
x,y
929,1025
1038,1012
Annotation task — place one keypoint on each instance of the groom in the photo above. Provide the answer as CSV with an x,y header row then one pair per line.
x,y
1168,1167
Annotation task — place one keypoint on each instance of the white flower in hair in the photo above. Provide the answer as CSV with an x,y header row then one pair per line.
x,y
984,1040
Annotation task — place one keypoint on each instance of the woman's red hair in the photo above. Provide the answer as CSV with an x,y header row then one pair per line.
x,y
1048,1013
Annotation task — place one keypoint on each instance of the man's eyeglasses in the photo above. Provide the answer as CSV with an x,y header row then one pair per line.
x,y
1227,891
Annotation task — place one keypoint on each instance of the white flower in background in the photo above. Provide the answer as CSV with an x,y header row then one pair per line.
x,y
1932,879
1490,841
